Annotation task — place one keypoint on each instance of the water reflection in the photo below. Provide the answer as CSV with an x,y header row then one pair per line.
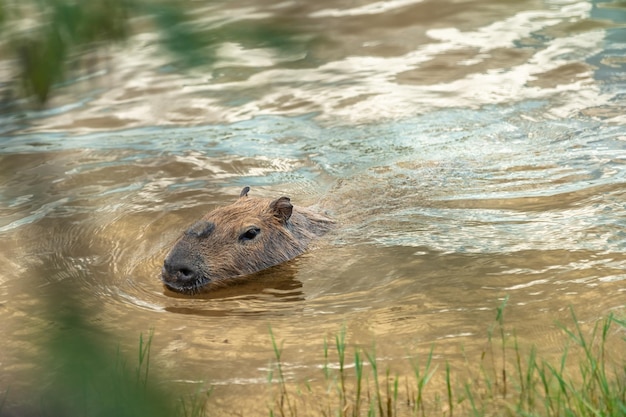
x,y
268,291
376,62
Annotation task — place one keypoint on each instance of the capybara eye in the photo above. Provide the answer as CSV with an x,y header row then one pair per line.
x,y
250,233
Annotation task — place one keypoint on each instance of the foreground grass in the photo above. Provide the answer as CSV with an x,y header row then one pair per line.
x,y
588,379
505,381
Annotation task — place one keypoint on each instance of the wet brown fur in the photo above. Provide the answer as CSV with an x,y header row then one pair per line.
x,y
215,249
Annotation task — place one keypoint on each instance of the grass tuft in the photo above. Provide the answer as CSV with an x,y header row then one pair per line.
x,y
588,379
285,404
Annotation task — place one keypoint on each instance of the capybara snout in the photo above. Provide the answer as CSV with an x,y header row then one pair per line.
x,y
244,237
183,265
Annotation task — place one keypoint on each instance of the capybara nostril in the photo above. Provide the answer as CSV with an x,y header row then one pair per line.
x,y
185,274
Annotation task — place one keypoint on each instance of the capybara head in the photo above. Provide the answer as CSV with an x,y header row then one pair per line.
x,y
239,239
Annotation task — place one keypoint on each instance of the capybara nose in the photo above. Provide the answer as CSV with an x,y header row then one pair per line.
x,y
180,272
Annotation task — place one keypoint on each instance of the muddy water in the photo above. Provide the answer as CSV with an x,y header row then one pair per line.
x,y
469,150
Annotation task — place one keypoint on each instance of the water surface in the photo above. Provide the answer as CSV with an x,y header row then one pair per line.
x,y
469,150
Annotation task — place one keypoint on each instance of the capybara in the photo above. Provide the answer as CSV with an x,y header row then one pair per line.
x,y
244,237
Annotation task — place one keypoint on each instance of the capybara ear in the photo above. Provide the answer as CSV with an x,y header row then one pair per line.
x,y
282,208
244,192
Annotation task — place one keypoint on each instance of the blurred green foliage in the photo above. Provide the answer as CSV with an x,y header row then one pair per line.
x,y
46,37
78,372
44,34
88,379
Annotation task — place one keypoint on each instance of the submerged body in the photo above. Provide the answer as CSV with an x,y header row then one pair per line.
x,y
239,239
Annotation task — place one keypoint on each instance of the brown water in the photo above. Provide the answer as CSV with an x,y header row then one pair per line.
x,y
470,150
